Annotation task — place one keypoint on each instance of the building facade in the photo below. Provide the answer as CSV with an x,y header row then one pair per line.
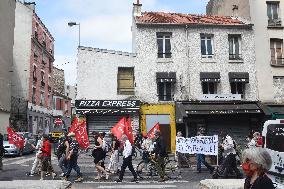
x,y
7,19
32,83
267,19
189,72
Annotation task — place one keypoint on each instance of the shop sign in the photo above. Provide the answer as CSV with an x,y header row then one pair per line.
x,y
221,97
96,104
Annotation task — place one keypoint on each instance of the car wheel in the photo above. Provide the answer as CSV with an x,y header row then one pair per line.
x,y
20,153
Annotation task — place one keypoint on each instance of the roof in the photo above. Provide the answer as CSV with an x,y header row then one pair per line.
x,y
181,19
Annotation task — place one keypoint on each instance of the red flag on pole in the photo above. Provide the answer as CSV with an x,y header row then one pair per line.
x,y
119,129
15,139
151,133
74,125
128,130
82,135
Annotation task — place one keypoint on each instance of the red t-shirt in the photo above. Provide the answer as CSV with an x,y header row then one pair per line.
x,y
259,141
46,149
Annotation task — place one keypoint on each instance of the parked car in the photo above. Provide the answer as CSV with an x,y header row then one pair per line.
x,y
12,150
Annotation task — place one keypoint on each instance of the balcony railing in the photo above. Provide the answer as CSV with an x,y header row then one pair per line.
x,y
277,62
42,83
235,57
274,22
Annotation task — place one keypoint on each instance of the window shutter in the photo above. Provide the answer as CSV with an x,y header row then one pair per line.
x,y
209,46
168,91
161,90
274,9
203,47
160,47
168,47
237,46
269,11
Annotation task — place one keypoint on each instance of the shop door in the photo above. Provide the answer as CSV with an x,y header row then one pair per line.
x,y
166,134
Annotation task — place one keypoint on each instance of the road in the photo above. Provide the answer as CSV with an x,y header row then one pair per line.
x,y
15,168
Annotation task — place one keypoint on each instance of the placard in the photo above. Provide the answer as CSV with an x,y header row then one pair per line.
x,y
207,145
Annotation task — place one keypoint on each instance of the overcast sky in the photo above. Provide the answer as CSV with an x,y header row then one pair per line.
x,y
105,24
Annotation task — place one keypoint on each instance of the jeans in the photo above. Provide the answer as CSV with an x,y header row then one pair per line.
x,y
72,164
127,162
201,159
62,163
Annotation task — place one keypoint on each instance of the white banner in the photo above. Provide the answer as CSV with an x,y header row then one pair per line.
x,y
207,145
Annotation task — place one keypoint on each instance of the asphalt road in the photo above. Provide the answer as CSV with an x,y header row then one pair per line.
x,y
15,168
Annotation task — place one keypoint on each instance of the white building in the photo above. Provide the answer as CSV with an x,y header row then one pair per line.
x,y
267,19
184,68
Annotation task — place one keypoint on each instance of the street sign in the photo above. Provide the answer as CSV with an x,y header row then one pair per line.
x,y
58,121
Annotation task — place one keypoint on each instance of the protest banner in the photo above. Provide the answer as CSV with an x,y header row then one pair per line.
x,y
207,145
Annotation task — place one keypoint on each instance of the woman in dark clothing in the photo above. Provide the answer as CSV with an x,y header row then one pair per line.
x,y
256,162
99,155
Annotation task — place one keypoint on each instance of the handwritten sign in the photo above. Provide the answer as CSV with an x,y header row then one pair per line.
x,y
207,145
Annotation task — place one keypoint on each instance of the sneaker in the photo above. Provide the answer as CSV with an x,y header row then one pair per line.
x,y
31,175
161,180
53,175
62,175
41,179
79,179
118,180
134,180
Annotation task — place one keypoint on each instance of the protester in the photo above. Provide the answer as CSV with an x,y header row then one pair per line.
x,y
72,159
201,159
99,156
104,147
113,165
178,155
256,163
229,154
38,157
146,148
46,158
127,160
160,154
138,140
62,153
1,151
258,139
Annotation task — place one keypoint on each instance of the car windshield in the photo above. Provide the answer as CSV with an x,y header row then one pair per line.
x,y
5,137
275,137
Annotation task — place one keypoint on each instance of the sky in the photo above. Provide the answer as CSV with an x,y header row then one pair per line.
x,y
105,24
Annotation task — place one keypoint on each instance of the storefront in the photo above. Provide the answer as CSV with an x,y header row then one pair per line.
x,y
102,115
164,114
235,117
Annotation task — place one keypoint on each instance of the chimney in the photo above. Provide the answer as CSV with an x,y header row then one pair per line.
x,y
235,11
137,9
31,5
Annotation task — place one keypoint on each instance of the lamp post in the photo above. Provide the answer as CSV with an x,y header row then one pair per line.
x,y
70,24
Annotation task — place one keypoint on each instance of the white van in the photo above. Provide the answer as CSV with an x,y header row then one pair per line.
x,y
273,141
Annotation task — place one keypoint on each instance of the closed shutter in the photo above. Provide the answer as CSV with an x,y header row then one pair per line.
x,y
125,81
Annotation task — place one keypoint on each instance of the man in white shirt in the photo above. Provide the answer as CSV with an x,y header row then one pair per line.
x,y
127,160
38,153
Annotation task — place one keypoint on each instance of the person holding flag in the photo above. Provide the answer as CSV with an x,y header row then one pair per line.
x,y
15,139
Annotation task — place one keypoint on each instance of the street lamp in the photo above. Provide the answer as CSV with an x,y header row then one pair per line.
x,y
70,24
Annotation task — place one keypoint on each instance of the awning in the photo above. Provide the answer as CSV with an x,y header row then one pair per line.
x,y
276,111
166,77
184,109
239,77
210,76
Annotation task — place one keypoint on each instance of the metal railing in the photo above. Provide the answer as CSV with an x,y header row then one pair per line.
x,y
277,62
235,57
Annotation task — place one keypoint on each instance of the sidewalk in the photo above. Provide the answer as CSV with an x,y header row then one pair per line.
x,y
34,184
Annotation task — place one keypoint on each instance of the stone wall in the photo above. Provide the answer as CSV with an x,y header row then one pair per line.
x,y
59,80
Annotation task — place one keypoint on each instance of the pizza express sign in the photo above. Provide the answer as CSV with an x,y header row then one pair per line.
x,y
94,104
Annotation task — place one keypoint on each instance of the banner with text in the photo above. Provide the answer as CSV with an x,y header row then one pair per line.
x,y
207,145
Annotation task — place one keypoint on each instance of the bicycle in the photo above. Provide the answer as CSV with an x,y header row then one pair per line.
x,y
147,168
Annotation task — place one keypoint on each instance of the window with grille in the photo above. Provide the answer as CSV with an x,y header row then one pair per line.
x,y
207,50
165,91
125,81
235,47
238,88
209,87
164,45
273,13
276,50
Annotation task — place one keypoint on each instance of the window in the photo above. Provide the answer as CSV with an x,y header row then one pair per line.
x,y
35,53
165,91
51,47
42,78
41,98
276,49
125,81
49,66
209,87
206,45
164,45
36,31
234,47
34,95
238,88
44,39
273,13
66,106
34,74
44,57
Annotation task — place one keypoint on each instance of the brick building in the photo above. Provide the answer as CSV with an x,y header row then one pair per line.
x,y
32,83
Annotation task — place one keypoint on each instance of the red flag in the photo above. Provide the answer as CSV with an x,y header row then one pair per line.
x,y
119,129
151,133
15,139
82,136
74,125
128,130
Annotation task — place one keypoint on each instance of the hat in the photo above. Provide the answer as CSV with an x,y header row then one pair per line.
x,y
71,134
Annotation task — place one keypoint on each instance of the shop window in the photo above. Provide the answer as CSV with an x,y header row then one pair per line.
x,y
164,44
209,87
125,81
235,47
207,45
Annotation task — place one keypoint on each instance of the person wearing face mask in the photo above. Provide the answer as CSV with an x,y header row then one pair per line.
x,y
256,163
